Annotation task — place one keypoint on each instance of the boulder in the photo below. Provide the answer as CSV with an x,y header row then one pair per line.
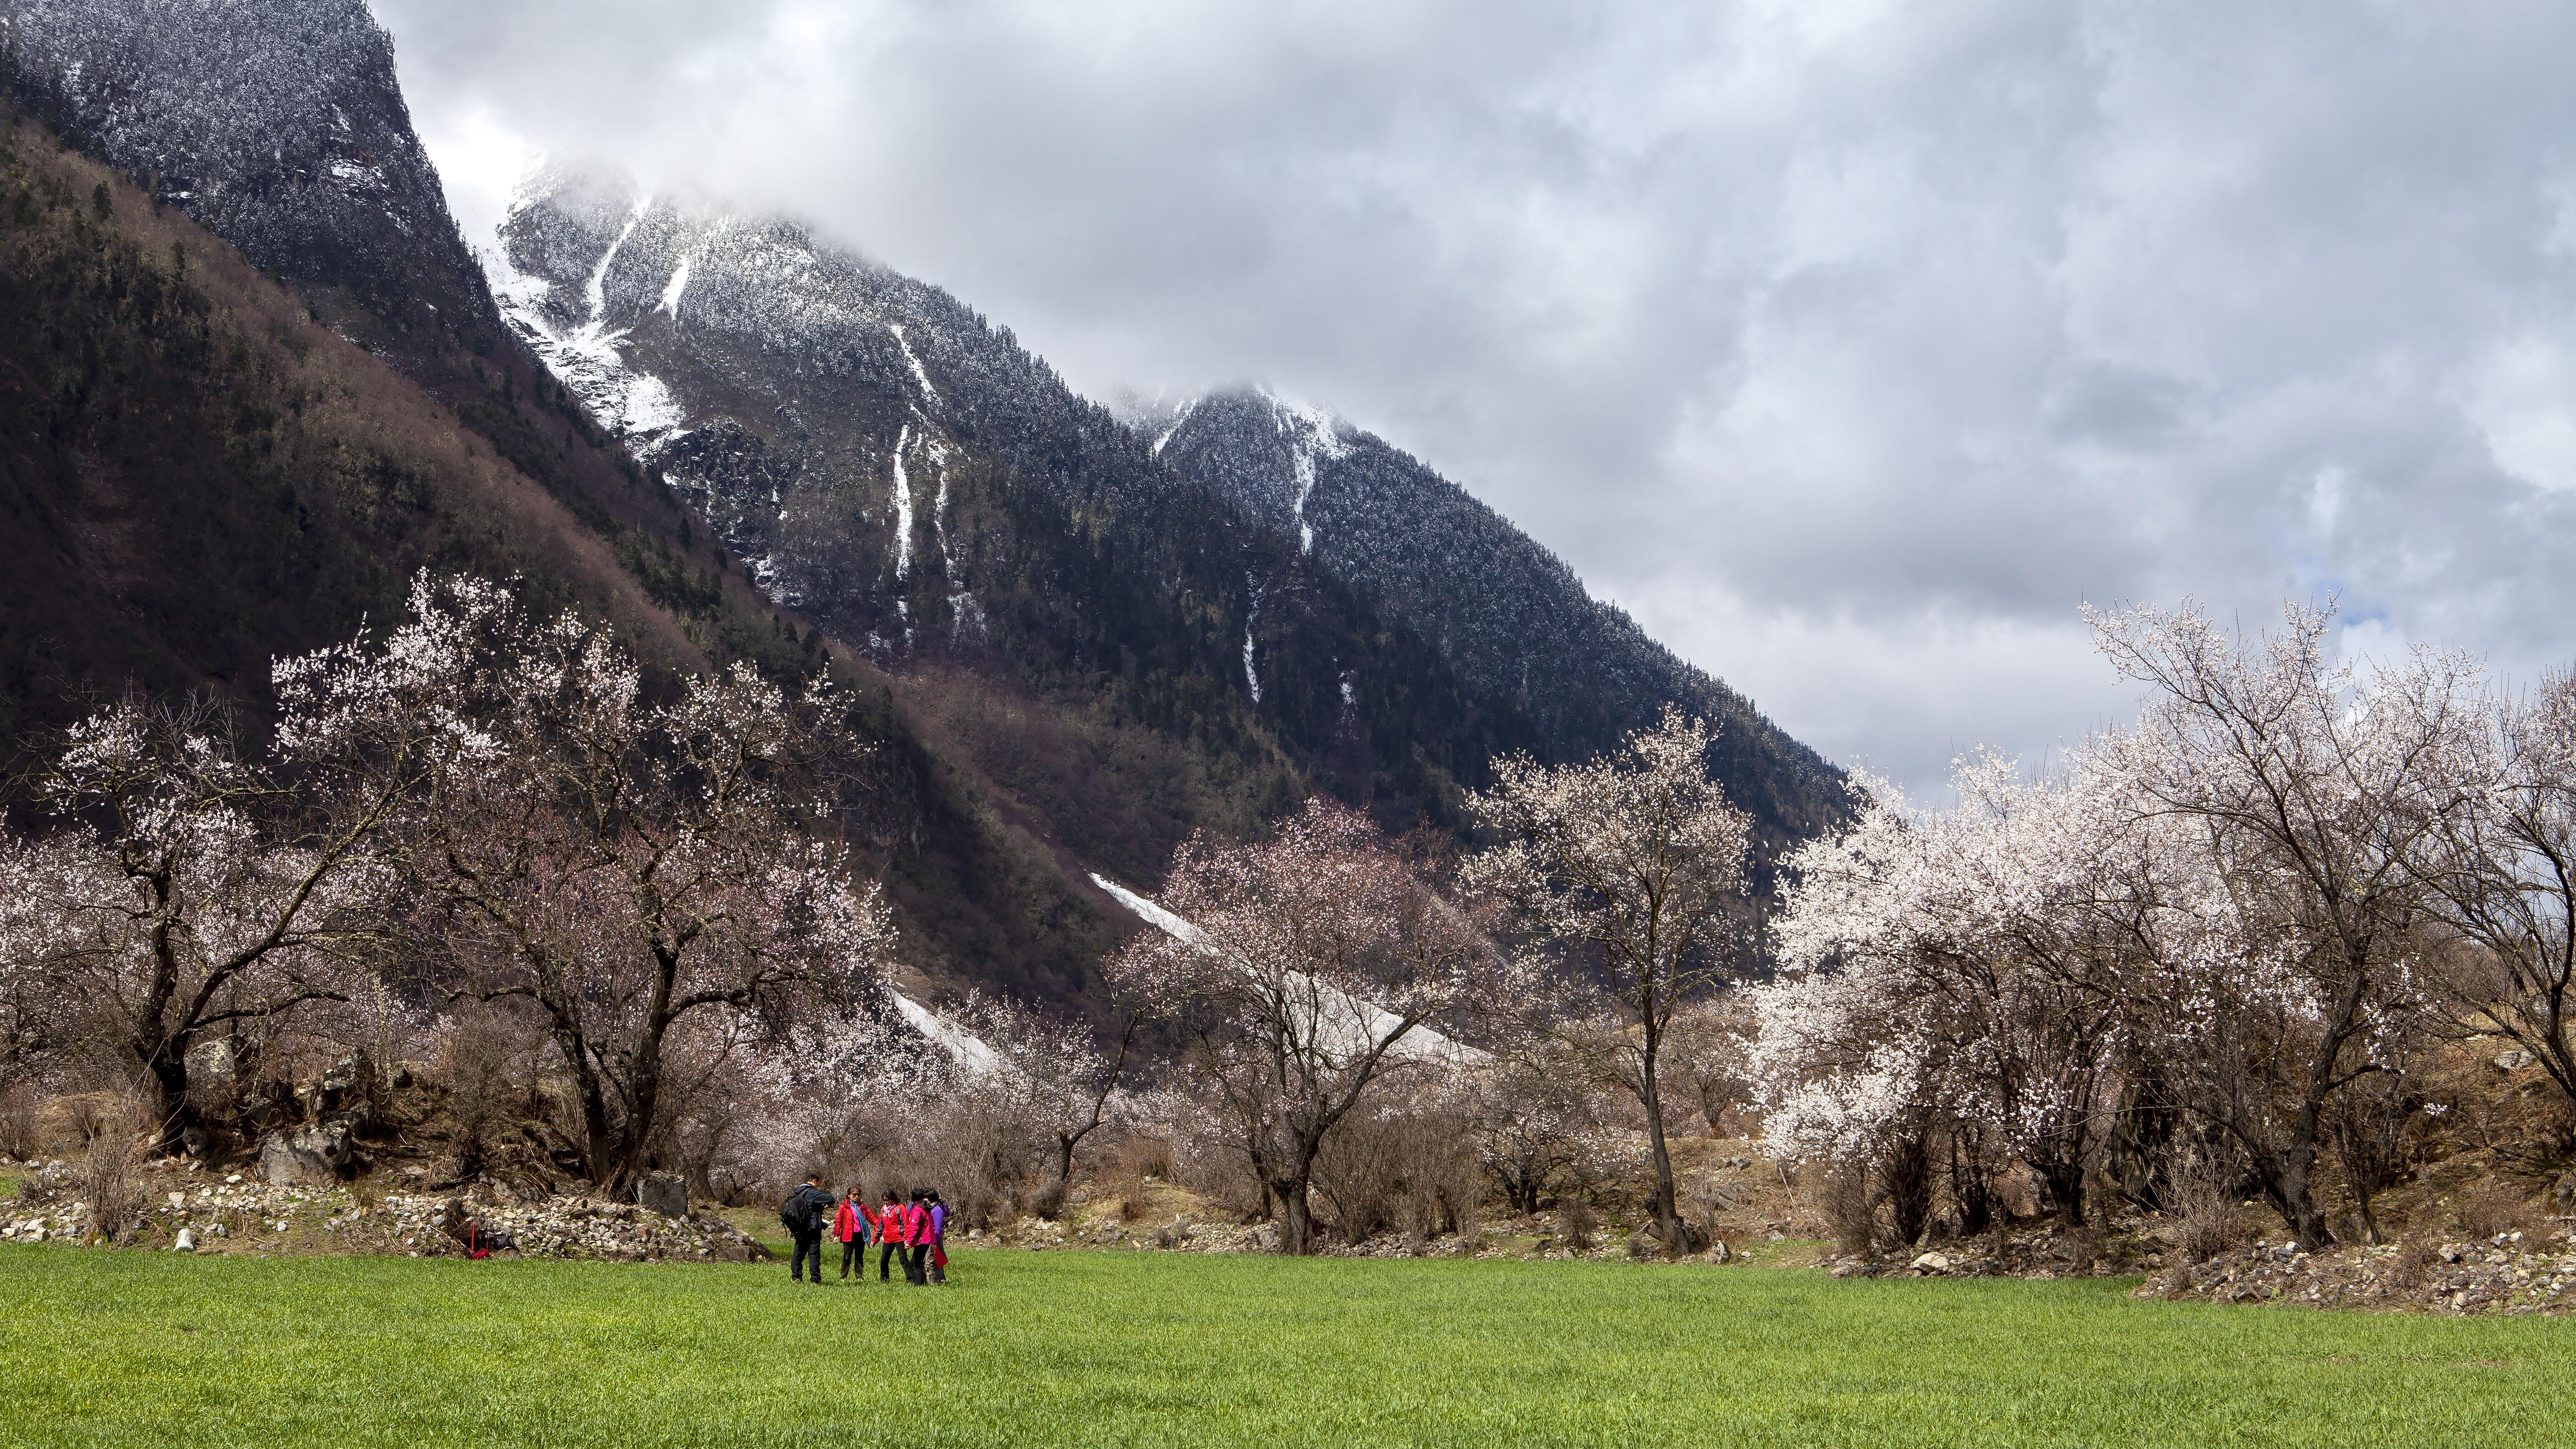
x,y
1718,1251
1932,1263
666,1193
323,1152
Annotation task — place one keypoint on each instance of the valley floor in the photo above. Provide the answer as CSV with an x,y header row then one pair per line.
x,y
1114,1348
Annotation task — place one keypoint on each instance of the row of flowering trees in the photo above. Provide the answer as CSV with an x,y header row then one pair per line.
x,y
2211,942
2217,936
485,804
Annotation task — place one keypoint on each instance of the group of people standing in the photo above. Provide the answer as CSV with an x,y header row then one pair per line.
x,y
912,1232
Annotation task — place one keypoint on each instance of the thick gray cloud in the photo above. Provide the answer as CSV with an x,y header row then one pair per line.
x,y
1850,345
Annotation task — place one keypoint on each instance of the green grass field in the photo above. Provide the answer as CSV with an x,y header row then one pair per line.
x,y
1119,1348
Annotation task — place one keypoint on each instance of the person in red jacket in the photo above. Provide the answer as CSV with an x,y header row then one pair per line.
x,y
889,1221
850,1225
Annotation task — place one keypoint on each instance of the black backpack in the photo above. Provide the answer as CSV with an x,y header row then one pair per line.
x,y
796,1215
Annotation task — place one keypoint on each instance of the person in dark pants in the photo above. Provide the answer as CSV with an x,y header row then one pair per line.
x,y
916,1234
890,1233
850,1225
938,1238
807,1211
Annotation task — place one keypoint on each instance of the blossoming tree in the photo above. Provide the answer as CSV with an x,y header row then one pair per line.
x,y
1313,965
630,865
1633,863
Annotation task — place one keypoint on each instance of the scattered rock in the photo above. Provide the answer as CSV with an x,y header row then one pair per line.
x,y
1933,1262
2452,1278
2512,1061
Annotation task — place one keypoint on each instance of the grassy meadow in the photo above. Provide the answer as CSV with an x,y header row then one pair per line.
x,y
1136,1348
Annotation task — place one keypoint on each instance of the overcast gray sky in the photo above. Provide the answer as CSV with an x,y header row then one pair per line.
x,y
1849,345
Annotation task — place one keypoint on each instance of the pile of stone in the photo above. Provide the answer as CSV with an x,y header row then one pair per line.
x,y
2042,1250
39,1214
2502,1274
568,1227
238,1214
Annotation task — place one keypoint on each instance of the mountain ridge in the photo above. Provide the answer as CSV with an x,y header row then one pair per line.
x,y
1504,610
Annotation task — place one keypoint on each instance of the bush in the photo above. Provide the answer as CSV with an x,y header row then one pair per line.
x,y
1045,1200
1851,1217
1412,1166
111,1165
2491,1208
21,1109
1577,1221
2207,1221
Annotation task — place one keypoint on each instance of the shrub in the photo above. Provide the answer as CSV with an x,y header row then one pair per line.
x,y
1045,1200
111,1166
1851,1216
2491,1208
1576,1221
2207,1221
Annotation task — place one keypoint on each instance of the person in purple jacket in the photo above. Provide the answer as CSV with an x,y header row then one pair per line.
x,y
938,1238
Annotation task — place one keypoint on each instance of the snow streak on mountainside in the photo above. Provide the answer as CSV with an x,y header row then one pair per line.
x,y
1368,1021
962,1046
1503,610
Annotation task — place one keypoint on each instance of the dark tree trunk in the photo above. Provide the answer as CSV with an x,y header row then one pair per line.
x,y
1668,1218
2064,1179
1296,1219
1906,1173
169,1067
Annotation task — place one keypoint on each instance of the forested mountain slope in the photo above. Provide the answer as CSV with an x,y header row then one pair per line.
x,y
901,470
1506,613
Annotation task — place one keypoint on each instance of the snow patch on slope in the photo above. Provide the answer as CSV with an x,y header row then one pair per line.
x,y
1251,620
1421,1043
1312,434
678,284
931,394
589,359
1179,416
1150,913
902,508
962,1046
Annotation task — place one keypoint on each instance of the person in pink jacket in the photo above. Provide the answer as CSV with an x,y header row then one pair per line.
x,y
916,1234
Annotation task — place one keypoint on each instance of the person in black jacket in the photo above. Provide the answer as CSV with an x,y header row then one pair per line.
x,y
807,1211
